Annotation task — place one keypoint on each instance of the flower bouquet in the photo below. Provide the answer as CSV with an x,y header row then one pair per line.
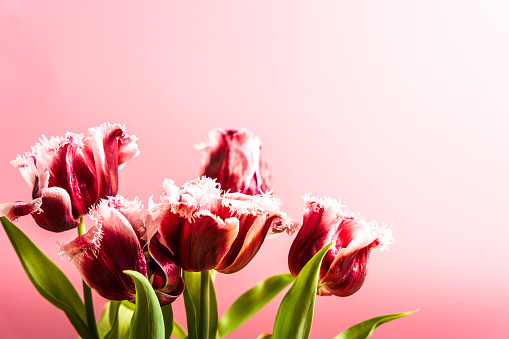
x,y
141,260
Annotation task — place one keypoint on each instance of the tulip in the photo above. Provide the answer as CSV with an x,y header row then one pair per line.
x,y
71,174
233,158
118,242
207,229
345,265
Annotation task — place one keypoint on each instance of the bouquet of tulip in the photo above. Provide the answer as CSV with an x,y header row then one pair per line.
x,y
141,260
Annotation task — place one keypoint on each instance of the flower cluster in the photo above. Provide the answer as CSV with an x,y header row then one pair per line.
x,y
216,222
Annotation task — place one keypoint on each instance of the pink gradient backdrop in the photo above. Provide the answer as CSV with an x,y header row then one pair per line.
x,y
399,108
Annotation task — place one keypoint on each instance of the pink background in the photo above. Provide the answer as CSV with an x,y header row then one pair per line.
x,y
399,108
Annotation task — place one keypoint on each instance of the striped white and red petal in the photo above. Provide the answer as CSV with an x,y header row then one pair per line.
x,y
105,251
111,147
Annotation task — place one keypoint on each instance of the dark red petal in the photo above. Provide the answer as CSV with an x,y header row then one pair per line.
x,y
252,232
102,254
132,210
318,229
346,275
215,158
56,215
166,278
82,180
111,148
205,241
170,228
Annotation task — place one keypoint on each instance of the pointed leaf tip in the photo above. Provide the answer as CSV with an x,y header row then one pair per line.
x,y
147,321
295,314
366,328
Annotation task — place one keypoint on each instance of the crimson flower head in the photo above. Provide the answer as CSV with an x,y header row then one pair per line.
x,y
118,242
233,158
207,229
70,174
345,265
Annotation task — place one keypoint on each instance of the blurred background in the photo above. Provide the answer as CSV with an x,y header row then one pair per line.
x,y
398,108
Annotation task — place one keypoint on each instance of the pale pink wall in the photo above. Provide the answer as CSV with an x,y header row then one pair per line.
x,y
399,108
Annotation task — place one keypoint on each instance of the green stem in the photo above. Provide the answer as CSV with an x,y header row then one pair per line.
x,y
203,331
87,294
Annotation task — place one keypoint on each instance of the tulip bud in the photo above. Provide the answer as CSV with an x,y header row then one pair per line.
x,y
345,265
71,174
233,158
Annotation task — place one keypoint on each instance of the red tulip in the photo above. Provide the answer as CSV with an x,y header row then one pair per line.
x,y
345,265
72,173
118,242
206,229
233,158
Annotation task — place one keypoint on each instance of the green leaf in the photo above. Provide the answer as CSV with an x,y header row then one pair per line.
x,y
147,321
115,320
48,279
249,303
366,328
104,324
178,331
124,317
113,333
168,320
295,314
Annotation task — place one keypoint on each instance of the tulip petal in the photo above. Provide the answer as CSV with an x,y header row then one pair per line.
x,y
166,279
318,229
133,212
82,175
354,244
111,147
105,251
253,230
14,210
201,243
205,242
56,215
347,274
